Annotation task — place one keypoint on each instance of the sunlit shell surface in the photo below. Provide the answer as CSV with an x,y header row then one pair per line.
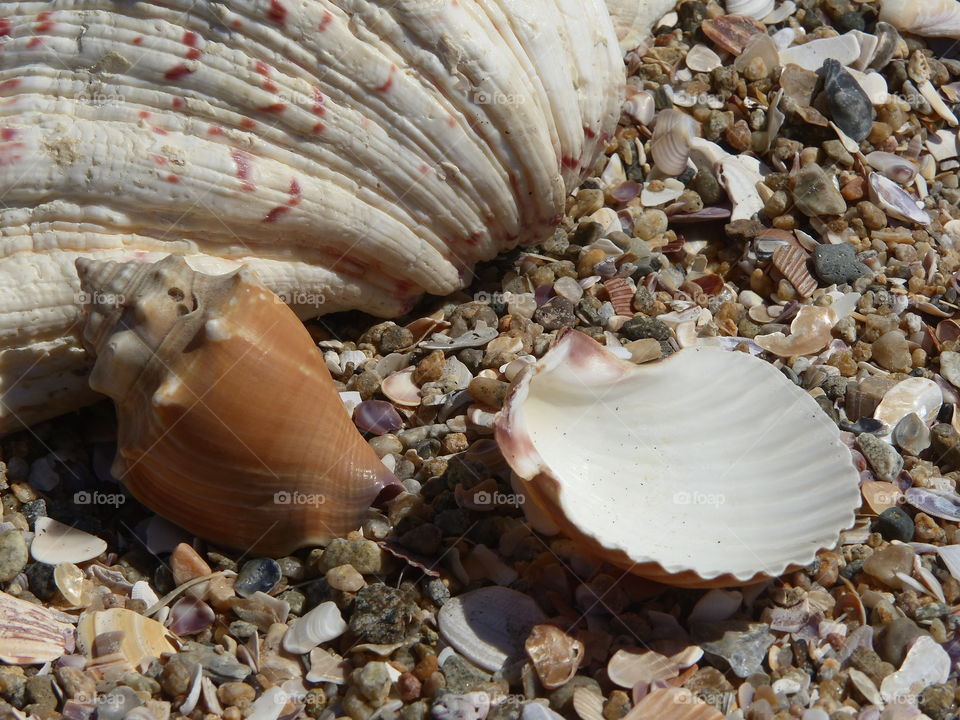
x,y
632,19
355,153
706,468
31,634
229,422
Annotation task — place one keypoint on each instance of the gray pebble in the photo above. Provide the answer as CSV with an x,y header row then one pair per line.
x,y
556,313
13,554
838,264
257,575
884,460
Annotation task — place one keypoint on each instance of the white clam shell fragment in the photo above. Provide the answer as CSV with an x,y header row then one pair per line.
x,y
670,145
322,624
355,155
702,59
913,395
56,543
489,626
735,471
757,9
895,201
935,18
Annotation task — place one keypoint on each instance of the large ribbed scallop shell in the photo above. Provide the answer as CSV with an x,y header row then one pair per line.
x,y
355,153
707,468
228,421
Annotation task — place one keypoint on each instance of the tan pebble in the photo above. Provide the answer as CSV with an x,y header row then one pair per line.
x,y
873,217
408,686
829,569
616,706
879,132
232,713
587,261
345,578
785,222
488,392
919,357
426,667
738,134
220,592
186,564
651,224
809,155
644,350
588,201
237,694
433,684
926,529
892,352
430,368
853,189
886,563
454,443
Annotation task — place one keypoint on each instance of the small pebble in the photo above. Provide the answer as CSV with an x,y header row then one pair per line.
x,y
257,575
837,264
895,524
345,578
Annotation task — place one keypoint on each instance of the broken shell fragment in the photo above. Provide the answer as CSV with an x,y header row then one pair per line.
x,y
763,430
670,145
322,624
555,655
55,543
700,58
140,638
897,168
31,634
809,333
489,626
628,667
895,201
757,9
185,357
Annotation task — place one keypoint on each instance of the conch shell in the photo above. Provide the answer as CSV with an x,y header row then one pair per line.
x,y
708,468
355,154
229,422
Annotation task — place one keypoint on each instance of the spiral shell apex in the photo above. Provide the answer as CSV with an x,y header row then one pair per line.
x,y
228,421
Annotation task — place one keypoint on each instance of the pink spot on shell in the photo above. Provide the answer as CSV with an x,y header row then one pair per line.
x,y
160,131
159,159
143,114
190,39
318,101
247,124
7,134
294,187
570,162
177,102
262,68
424,169
173,179
327,19
269,86
236,24
34,42
389,83
275,213
5,26
244,163
177,72
10,84
193,54
451,121
474,239
214,130
274,108
319,127
138,40
588,132
277,12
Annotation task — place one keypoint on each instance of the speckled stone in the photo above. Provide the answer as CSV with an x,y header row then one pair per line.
x,y
381,614
364,555
884,460
642,326
13,554
837,264
892,352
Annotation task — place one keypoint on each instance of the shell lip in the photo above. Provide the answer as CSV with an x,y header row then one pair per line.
x,y
536,474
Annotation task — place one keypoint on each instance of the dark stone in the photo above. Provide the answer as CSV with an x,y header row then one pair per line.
x,y
381,614
895,524
838,264
850,107
556,313
743,230
851,21
642,326
40,577
257,575
691,14
33,510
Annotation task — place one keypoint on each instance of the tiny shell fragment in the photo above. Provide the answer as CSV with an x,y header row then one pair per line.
x,y
673,704
628,667
791,261
732,32
809,333
555,655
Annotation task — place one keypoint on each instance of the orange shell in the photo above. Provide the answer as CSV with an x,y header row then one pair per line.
x,y
229,422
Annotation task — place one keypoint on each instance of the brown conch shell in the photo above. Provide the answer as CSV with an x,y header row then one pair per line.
x,y
229,422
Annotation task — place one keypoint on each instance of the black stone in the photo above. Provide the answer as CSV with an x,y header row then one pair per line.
x,y
895,524
850,107
257,575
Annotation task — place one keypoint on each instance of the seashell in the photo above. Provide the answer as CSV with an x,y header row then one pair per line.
x,y
739,175
640,106
670,144
895,201
932,18
322,624
31,634
756,9
141,639
732,32
889,41
674,704
716,606
778,15
700,58
791,261
349,169
72,584
326,666
850,107
881,496
575,477
633,21
55,543
469,706
868,48
554,654
898,169
660,192
760,47
185,357
588,703
190,615
939,503
489,626
932,96
911,434
926,663
913,395
627,667
844,49
377,417
950,555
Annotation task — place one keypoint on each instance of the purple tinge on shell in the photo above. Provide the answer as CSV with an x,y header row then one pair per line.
x,y
543,293
74,710
190,615
377,416
938,503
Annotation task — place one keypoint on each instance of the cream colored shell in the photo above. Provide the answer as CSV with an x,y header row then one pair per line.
x,y
354,153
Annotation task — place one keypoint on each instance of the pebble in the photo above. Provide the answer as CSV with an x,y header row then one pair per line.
x,y
237,694
870,664
640,327
895,524
838,264
892,352
911,434
381,614
894,639
744,651
13,554
373,682
345,578
556,313
850,107
257,575
883,458
364,555
117,703
462,676
186,564
488,391
470,706
218,666
886,563
950,366
13,686
815,194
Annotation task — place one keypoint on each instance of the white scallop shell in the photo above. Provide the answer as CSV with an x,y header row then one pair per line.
x,y
606,449
356,154
757,9
670,145
936,18
488,626
633,19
